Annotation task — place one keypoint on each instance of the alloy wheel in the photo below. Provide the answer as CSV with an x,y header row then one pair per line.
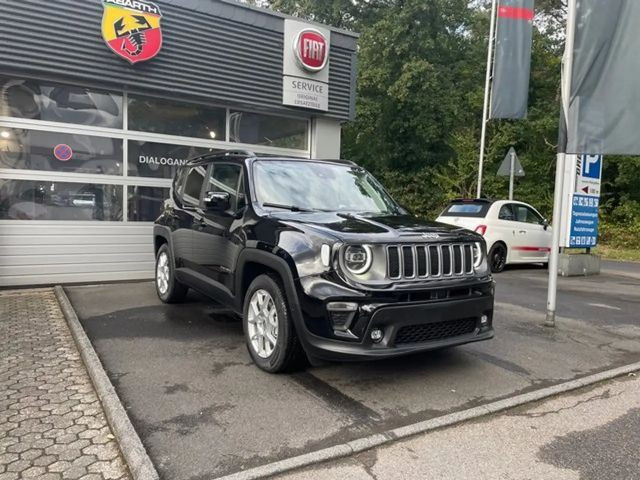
x,y
262,319
162,273
498,259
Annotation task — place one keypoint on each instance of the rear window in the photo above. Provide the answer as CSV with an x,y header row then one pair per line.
x,y
470,209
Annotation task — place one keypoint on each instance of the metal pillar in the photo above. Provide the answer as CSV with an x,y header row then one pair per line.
x,y
567,72
512,175
487,89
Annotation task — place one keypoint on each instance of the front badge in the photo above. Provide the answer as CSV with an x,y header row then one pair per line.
x,y
131,28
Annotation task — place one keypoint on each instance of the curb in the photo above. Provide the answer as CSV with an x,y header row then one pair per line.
x,y
366,443
133,451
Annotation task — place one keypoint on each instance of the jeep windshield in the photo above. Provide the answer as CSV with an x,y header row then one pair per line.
x,y
318,186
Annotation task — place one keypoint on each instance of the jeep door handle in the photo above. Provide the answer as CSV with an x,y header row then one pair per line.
x,y
523,232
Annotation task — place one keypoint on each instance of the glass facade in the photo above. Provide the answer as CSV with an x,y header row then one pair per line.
x,y
43,200
82,154
174,118
257,129
160,160
59,152
32,100
145,203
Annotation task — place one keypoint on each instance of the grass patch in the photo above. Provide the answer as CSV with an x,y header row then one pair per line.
x,y
612,253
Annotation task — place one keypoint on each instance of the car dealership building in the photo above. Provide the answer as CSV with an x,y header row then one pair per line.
x,y
101,100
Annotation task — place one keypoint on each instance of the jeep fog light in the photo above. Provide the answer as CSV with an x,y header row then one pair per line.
x,y
358,259
377,335
342,314
484,320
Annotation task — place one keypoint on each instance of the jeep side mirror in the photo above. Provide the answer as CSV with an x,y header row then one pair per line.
x,y
217,201
545,224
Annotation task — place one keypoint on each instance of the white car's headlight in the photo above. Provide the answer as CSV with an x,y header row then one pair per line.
x,y
358,259
477,254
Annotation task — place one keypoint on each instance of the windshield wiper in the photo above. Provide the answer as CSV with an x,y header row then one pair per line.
x,y
293,208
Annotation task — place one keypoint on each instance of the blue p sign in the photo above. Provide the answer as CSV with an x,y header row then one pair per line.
x,y
591,166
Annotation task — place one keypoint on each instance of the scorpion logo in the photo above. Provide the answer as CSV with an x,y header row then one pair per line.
x,y
136,36
131,28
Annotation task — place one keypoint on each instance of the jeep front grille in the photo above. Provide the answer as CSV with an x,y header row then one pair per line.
x,y
435,331
427,261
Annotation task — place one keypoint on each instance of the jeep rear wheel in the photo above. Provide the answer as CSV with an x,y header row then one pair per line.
x,y
269,332
168,288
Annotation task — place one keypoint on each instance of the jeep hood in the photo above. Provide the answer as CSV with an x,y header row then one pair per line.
x,y
374,228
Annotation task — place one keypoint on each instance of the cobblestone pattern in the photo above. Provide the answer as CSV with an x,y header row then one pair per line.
x,y
52,426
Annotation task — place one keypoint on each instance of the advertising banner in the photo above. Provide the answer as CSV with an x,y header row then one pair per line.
x,y
512,64
604,108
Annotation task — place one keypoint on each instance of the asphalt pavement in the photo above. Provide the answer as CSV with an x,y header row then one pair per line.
x,y
590,434
203,410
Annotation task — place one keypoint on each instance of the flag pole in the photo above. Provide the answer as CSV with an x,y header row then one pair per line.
x,y
567,73
487,87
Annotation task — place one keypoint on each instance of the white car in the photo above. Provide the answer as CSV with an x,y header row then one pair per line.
x,y
514,231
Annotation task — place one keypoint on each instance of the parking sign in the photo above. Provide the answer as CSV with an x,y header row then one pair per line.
x,y
589,174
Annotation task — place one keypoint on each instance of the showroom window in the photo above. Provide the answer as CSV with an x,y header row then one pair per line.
x,y
85,154
59,103
177,118
43,200
146,203
257,129
59,152
159,160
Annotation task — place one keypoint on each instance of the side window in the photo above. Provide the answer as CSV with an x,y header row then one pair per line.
x,y
189,191
533,217
506,213
527,215
227,178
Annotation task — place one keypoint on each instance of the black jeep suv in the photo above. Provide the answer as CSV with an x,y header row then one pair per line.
x,y
319,261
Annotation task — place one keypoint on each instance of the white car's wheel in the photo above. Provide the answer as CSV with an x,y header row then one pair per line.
x,y
498,257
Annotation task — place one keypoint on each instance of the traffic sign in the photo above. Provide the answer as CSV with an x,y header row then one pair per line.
x,y
589,175
584,221
505,167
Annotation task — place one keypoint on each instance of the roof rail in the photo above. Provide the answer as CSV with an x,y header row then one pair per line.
x,y
229,153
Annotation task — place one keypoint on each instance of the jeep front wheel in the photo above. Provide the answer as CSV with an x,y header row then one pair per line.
x,y
167,286
269,332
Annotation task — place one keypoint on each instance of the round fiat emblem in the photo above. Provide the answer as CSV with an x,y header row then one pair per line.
x,y
63,152
311,48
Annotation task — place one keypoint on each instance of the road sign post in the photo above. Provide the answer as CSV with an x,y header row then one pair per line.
x,y
512,168
512,173
567,75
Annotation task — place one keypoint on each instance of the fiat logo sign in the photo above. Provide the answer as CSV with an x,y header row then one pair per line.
x,y
311,48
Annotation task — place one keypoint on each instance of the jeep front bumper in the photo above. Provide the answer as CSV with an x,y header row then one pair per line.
x,y
407,325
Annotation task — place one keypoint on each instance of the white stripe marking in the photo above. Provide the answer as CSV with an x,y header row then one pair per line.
x,y
602,305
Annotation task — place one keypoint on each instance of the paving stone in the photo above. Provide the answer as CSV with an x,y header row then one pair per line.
x,y
49,412
33,472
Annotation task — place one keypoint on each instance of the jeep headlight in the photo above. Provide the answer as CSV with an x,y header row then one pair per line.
x,y
358,259
477,255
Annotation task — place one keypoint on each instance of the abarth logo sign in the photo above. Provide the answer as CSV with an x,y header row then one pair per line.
x,y
131,28
311,48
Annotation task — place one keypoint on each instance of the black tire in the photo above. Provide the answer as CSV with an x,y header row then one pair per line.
x,y
287,354
175,291
498,257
